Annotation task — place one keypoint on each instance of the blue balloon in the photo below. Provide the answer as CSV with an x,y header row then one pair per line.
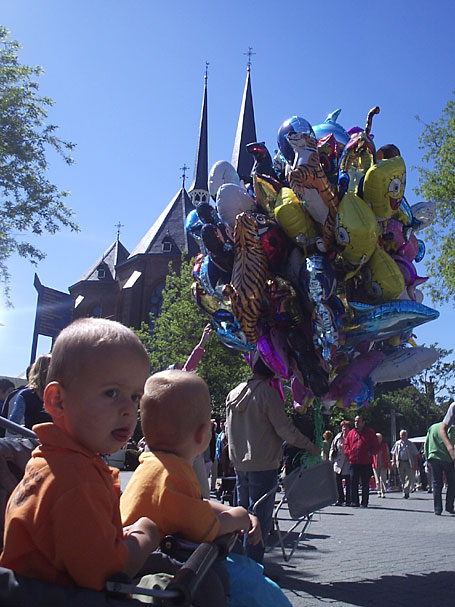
x,y
193,225
210,276
295,124
421,252
378,323
229,332
330,126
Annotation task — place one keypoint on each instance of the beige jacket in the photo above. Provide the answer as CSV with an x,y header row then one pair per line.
x,y
257,425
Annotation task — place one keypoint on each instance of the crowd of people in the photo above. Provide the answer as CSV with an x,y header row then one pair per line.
x,y
68,523
360,457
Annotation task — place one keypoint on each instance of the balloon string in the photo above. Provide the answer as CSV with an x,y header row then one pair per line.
x,y
305,458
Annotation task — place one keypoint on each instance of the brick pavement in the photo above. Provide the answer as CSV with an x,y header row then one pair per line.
x,y
395,553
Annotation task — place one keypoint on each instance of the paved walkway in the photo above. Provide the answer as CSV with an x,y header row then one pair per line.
x,y
395,553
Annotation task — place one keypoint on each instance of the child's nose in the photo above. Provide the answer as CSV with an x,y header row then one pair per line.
x,y
129,407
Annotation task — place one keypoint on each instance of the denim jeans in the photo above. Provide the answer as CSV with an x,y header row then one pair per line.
x,y
250,487
439,466
357,472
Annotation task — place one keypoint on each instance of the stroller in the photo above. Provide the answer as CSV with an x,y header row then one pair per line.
x,y
19,591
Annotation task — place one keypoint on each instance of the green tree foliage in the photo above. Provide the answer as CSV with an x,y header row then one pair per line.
x,y
437,382
437,184
178,329
29,202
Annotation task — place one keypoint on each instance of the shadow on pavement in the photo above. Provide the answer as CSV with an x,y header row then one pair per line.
x,y
435,588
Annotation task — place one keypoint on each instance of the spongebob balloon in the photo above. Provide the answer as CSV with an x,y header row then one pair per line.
x,y
384,185
381,280
356,230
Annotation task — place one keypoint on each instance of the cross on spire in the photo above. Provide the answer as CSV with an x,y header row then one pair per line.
x,y
118,226
206,70
184,169
250,54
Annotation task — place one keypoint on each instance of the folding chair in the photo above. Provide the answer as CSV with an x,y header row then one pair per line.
x,y
306,490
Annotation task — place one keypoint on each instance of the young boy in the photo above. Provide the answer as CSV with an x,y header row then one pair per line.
x,y
175,417
63,521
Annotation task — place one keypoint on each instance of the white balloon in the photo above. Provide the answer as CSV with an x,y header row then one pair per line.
x,y
220,173
231,200
424,212
403,363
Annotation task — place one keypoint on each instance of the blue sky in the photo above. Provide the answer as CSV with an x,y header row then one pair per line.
x,y
127,80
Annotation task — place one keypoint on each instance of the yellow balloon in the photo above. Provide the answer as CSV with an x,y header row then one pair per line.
x,y
265,194
294,219
356,230
386,280
286,196
384,185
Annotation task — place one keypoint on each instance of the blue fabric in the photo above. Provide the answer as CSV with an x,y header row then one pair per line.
x,y
250,487
18,413
250,587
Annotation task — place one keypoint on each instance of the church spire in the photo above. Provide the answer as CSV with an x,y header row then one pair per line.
x,y
242,161
198,191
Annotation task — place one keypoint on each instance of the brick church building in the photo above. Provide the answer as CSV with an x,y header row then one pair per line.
x,y
128,286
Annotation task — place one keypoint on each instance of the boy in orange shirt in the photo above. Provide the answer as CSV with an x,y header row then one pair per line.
x,y
63,522
175,417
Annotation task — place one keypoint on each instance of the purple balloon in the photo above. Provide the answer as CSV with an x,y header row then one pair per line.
x,y
270,356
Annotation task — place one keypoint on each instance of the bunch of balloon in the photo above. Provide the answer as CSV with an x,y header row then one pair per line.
x,y
310,265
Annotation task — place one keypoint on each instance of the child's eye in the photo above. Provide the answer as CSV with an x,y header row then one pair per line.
x,y
111,393
136,398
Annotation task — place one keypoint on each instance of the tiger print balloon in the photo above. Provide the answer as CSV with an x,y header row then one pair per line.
x,y
249,274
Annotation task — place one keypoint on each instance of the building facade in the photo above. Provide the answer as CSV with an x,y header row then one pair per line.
x,y
128,286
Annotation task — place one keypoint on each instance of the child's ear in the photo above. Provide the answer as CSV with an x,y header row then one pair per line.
x,y
199,434
53,399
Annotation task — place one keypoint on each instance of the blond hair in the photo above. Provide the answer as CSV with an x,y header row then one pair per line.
x,y
37,377
84,337
174,405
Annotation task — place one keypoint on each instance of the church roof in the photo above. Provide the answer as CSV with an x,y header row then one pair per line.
x,y
169,228
200,178
114,255
242,160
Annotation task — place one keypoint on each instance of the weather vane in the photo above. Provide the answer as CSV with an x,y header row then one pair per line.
x,y
118,226
184,169
250,54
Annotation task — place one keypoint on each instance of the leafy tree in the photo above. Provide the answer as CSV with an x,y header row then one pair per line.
x,y
437,382
437,184
29,202
177,330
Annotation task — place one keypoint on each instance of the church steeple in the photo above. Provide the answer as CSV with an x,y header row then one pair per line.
x,y
242,161
198,191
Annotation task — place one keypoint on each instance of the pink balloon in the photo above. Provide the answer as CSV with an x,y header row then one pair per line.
x,y
410,249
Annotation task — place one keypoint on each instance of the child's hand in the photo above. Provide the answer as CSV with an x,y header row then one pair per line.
x,y
141,538
145,528
255,533
205,334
